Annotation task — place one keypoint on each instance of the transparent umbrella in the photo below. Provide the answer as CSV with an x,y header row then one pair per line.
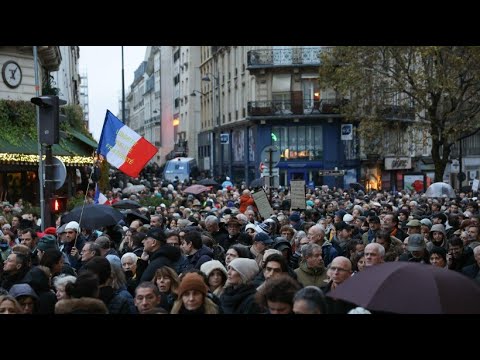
x,y
440,189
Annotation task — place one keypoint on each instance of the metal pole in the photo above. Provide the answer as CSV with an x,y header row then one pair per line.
x,y
270,168
40,155
460,173
214,137
49,185
123,90
219,121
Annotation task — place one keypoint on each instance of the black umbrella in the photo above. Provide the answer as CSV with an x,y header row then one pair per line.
x,y
94,216
256,183
403,287
208,182
131,215
357,186
127,204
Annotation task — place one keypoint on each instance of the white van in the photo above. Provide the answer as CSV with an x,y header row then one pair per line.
x,y
181,167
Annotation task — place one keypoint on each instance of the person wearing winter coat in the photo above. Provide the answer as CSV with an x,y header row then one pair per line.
x,y
311,270
192,296
216,275
246,200
239,294
156,253
197,253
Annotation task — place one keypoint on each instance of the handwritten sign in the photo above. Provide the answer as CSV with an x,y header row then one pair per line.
x,y
297,194
475,185
263,204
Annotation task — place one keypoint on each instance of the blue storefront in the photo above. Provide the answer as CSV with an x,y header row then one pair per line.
x,y
306,149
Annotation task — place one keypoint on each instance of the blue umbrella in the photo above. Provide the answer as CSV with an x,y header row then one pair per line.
x,y
226,184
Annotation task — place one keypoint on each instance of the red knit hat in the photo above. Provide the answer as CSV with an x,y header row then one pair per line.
x,y
192,281
50,231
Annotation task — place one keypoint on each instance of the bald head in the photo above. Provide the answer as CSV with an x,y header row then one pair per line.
x,y
316,234
340,269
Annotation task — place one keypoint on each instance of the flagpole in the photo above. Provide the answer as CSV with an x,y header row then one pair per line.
x,y
123,90
85,200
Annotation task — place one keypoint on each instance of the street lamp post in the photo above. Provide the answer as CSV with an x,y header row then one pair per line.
x,y
211,160
215,141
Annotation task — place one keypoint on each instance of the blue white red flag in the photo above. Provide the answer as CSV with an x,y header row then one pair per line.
x,y
99,198
124,148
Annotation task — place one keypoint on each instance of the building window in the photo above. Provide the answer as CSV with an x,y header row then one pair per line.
x,y
299,142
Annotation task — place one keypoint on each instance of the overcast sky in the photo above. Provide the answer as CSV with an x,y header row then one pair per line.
x,y
103,65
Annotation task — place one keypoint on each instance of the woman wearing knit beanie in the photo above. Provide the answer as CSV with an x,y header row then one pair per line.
x,y
216,275
239,293
192,296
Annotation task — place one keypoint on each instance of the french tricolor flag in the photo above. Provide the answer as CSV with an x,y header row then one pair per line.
x,y
124,148
99,198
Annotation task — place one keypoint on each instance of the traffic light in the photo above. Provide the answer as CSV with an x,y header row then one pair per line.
x,y
58,205
49,118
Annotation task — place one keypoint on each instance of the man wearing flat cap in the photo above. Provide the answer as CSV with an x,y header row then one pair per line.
x,y
416,250
235,235
261,241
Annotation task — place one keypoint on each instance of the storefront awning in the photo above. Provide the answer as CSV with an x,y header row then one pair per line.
x,y
74,149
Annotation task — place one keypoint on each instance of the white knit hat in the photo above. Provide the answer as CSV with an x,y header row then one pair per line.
x,y
72,225
209,266
246,268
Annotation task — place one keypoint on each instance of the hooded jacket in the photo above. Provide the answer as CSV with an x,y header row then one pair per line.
x,y
308,276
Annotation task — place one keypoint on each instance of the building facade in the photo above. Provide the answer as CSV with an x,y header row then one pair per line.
x,y
263,96
67,77
19,163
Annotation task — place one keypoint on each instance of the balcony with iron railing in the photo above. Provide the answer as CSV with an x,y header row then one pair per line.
x,y
398,113
273,108
154,120
295,57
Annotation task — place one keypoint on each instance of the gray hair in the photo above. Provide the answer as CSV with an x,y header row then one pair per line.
x,y
380,249
476,250
63,280
211,219
318,228
242,218
130,255
308,249
103,241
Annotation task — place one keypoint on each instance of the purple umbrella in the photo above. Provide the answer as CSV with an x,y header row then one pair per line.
x,y
411,288
196,189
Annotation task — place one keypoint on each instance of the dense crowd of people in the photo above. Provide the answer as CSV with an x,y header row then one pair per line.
x,y
212,253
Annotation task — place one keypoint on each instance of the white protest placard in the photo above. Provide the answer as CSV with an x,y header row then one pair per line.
x,y
297,194
263,204
475,184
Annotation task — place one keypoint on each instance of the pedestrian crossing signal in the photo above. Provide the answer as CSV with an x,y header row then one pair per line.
x,y
58,205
